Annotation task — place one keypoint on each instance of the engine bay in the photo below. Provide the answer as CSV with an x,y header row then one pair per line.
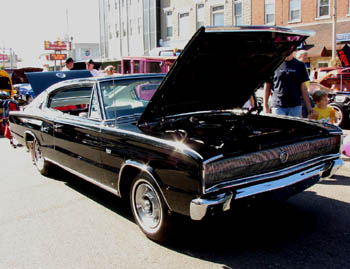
x,y
227,132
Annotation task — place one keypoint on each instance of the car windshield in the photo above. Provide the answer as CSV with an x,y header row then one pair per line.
x,y
127,97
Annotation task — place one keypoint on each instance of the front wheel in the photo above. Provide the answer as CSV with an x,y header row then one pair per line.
x,y
149,208
38,159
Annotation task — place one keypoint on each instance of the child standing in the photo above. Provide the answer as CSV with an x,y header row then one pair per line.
x,y
323,111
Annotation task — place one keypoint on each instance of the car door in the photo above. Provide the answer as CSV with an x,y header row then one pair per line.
x,y
76,133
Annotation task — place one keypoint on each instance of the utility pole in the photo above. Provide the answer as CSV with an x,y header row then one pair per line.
x,y
334,30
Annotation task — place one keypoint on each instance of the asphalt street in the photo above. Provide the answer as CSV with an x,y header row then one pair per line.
x,y
65,222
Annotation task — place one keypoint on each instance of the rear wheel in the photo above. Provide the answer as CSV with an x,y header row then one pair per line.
x,y
38,159
340,115
149,209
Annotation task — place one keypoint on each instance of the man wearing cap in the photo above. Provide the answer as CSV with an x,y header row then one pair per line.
x,y
69,64
90,65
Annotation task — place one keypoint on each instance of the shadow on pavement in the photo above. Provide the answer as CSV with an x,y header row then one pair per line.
x,y
337,180
105,198
307,231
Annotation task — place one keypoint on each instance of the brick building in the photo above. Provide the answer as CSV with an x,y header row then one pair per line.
x,y
135,27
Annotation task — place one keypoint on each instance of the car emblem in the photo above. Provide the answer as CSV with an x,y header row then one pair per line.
x,y
61,75
283,156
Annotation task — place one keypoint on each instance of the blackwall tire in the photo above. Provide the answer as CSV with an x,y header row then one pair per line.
x,y
149,209
39,161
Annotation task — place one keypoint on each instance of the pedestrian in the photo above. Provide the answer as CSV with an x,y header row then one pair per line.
x,y
287,87
109,70
302,55
90,65
69,64
323,112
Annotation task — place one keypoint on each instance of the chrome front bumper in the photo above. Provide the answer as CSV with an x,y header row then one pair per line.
x,y
199,207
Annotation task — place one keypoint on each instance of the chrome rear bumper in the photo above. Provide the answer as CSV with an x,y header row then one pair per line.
x,y
199,207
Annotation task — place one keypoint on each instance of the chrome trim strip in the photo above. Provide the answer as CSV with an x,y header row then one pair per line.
x,y
89,179
271,175
213,159
144,168
220,29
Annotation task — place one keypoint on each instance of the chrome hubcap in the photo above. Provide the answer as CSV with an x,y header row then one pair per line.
x,y
338,115
147,206
39,162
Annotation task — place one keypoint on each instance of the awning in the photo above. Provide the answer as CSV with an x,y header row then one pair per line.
x,y
322,41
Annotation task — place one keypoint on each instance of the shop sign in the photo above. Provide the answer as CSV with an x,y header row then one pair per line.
x,y
57,57
343,37
344,56
4,57
57,45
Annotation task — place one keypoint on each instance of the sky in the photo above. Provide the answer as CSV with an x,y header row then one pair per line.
x,y
26,24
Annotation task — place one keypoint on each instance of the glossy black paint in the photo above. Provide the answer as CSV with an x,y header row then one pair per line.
x,y
183,127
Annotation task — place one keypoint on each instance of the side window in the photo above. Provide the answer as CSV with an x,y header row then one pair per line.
x,y
71,100
95,111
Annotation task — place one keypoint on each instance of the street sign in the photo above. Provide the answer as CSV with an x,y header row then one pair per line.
x,y
344,56
57,57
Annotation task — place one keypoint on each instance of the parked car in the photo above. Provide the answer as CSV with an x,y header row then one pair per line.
x,y
338,79
318,73
190,150
340,101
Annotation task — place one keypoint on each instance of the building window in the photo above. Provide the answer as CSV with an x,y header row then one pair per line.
x,y
269,11
217,16
184,24
139,25
115,4
116,31
200,15
237,15
169,23
130,26
294,10
323,8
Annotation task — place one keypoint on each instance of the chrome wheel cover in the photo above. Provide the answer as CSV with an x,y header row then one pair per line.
x,y
338,115
147,206
38,158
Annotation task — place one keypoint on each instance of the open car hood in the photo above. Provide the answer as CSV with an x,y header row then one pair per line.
x,y
40,81
220,68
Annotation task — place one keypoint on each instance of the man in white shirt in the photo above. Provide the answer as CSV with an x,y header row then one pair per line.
x,y
69,64
90,65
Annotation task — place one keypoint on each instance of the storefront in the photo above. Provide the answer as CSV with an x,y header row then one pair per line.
x,y
320,53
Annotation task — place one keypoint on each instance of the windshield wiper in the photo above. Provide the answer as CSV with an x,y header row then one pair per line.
x,y
131,116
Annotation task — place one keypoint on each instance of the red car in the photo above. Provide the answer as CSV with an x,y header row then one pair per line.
x,y
338,80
